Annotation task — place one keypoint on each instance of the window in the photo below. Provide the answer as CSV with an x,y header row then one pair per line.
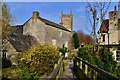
x,y
66,44
60,33
103,38
54,41
4,53
118,55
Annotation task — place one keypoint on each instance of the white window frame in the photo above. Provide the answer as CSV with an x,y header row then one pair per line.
x,y
54,42
66,44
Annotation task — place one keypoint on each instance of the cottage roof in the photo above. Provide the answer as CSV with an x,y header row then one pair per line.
x,y
53,24
104,26
22,42
17,29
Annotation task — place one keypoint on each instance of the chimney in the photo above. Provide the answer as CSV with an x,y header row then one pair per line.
x,y
35,14
115,8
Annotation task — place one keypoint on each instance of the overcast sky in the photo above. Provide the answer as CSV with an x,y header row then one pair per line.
x,y
22,11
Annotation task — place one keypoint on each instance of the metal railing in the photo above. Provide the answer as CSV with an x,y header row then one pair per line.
x,y
95,71
58,70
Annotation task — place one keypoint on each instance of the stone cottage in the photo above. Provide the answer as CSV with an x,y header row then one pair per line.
x,y
109,34
49,32
39,30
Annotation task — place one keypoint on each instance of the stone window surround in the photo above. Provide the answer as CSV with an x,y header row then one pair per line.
x,y
54,41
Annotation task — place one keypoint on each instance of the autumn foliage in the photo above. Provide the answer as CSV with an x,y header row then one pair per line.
x,y
84,38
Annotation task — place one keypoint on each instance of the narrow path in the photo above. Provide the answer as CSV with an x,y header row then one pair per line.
x,y
68,73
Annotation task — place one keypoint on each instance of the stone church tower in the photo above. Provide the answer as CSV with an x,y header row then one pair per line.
x,y
67,20
113,27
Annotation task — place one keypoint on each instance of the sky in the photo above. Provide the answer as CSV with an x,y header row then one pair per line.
x,y
22,11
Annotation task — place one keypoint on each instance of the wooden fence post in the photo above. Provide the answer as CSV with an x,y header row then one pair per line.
x,y
81,64
55,66
86,69
94,75
74,64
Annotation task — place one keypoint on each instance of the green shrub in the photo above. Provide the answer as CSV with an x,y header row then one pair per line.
x,y
39,59
76,42
103,59
118,71
85,55
18,73
10,73
63,50
107,59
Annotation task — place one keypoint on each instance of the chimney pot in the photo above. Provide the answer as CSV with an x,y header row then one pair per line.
x,y
115,8
35,14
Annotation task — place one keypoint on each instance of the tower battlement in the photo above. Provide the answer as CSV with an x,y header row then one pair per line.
x,y
67,20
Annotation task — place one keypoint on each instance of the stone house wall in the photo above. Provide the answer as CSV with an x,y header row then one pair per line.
x,y
58,35
36,28
46,33
11,53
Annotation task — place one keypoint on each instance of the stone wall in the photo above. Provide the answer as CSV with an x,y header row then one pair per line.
x,y
11,53
46,33
58,36
36,28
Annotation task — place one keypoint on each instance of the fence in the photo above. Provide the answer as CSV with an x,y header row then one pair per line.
x,y
91,71
57,72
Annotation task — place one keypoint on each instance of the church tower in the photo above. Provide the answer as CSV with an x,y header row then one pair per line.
x,y
67,20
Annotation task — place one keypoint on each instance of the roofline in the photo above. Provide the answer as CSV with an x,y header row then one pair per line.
x,y
49,24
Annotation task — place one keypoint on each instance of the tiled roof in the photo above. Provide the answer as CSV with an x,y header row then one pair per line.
x,y
53,24
17,29
22,42
104,26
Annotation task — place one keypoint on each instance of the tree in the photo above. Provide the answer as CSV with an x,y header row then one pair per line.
x,y
95,13
84,38
7,20
76,42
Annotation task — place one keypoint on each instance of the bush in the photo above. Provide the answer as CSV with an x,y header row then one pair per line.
x,y
63,50
39,59
6,63
76,41
107,59
85,55
103,59
18,73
